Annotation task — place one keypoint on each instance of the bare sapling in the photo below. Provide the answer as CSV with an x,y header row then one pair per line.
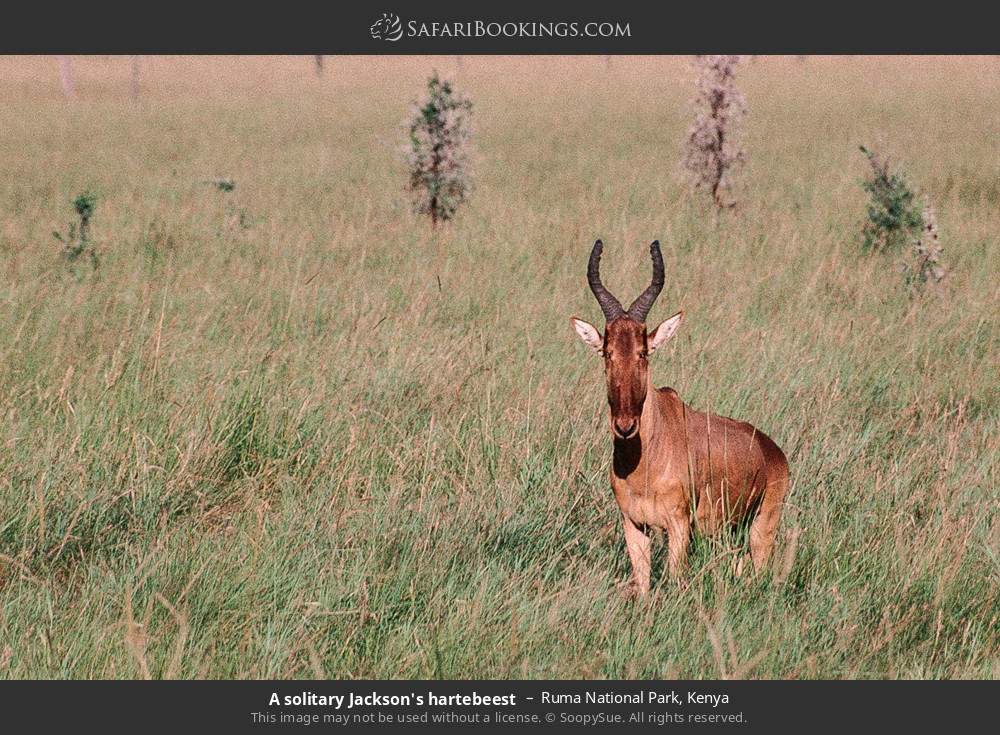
x,y
713,152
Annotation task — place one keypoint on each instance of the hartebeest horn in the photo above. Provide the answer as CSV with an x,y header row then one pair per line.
x,y
641,306
611,307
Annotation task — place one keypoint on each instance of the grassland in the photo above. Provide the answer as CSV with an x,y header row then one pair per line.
x,y
292,431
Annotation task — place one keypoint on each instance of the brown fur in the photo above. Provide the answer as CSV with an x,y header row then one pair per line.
x,y
683,468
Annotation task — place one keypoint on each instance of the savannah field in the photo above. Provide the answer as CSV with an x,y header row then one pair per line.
x,y
292,430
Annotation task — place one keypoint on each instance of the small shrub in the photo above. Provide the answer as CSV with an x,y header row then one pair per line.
x,y
899,222
77,241
924,266
894,214
713,152
223,185
437,153
236,217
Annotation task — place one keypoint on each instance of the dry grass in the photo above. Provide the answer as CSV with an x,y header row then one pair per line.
x,y
291,430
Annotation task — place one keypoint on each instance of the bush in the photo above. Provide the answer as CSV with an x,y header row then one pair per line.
x,y
898,221
438,150
924,266
77,241
894,214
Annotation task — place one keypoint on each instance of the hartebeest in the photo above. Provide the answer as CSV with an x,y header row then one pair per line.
x,y
671,463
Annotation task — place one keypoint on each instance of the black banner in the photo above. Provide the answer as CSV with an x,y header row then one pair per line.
x,y
495,706
448,27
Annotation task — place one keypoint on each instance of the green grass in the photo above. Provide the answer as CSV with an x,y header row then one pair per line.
x,y
292,431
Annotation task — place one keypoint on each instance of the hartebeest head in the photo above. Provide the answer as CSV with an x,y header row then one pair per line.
x,y
626,346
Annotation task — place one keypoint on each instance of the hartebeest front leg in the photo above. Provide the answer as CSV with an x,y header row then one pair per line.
x,y
678,525
639,552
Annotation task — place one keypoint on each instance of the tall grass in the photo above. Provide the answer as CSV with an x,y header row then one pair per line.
x,y
326,439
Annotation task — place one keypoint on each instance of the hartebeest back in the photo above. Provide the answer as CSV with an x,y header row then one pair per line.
x,y
673,465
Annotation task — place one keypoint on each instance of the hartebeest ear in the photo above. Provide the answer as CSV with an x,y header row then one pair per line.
x,y
588,333
663,332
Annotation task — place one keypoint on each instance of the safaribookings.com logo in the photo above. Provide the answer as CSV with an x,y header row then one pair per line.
x,y
387,28
390,28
